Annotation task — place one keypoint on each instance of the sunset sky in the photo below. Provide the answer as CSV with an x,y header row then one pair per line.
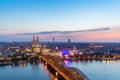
x,y
79,20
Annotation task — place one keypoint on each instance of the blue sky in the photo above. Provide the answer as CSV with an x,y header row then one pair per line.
x,y
23,16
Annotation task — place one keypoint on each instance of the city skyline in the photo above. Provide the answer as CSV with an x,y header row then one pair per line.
x,y
19,17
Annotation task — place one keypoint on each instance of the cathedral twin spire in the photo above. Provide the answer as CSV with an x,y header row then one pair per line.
x,y
35,44
37,38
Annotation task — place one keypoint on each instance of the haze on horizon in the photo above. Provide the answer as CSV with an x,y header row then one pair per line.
x,y
34,16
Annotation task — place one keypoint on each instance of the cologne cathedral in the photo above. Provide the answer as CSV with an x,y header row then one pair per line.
x,y
36,47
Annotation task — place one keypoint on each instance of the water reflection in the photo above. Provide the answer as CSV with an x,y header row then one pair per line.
x,y
98,70
52,73
28,71
19,64
67,62
23,71
94,70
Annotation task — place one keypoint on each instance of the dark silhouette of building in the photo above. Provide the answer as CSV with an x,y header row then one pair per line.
x,y
68,42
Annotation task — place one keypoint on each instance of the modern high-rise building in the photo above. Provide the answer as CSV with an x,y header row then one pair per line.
x,y
36,47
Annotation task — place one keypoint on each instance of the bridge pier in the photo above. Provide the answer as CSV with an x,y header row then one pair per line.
x,y
56,79
56,73
45,63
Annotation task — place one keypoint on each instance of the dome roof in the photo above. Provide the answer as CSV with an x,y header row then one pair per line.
x,y
65,52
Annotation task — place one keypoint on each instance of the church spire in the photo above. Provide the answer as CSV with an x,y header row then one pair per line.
x,y
37,38
33,37
35,44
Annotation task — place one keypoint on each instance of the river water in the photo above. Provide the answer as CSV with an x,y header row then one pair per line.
x,y
97,70
24,72
94,70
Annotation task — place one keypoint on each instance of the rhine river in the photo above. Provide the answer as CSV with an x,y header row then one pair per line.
x,y
94,70
24,72
97,70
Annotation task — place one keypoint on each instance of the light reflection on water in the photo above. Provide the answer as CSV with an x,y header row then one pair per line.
x,y
25,72
94,70
97,70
